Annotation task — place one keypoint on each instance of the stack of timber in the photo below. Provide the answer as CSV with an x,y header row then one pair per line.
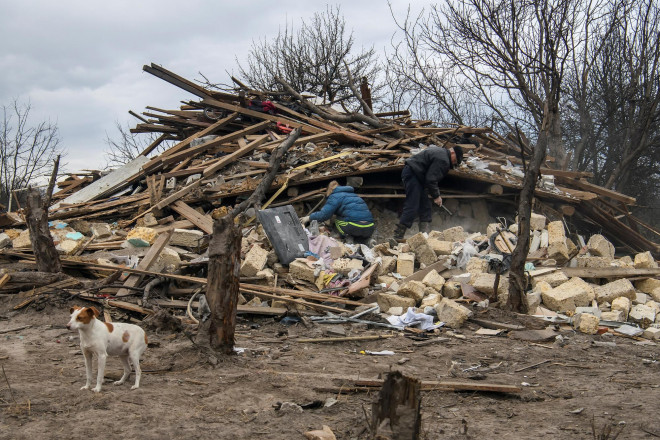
x,y
212,152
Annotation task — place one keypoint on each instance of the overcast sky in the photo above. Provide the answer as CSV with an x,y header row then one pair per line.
x,y
79,63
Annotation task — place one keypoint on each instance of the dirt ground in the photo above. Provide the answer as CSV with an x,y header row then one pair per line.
x,y
183,395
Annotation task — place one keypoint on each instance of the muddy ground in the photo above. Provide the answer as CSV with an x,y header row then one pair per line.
x,y
183,395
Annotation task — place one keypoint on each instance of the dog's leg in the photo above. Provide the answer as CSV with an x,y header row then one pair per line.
x,y
135,359
99,376
88,369
127,370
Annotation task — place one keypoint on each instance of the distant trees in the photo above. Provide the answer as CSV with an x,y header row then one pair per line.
x,y
125,146
311,58
27,148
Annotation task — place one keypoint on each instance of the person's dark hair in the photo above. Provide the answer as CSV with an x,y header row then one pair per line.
x,y
459,154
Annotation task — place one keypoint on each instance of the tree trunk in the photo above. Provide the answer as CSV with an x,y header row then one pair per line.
x,y
223,282
43,247
396,414
517,279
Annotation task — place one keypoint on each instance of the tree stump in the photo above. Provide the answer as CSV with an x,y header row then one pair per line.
x,y
43,247
223,283
396,414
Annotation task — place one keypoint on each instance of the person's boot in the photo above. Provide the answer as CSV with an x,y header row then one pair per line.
x,y
399,231
425,227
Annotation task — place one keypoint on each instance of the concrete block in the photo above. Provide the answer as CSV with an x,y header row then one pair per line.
x,y
441,247
168,261
480,211
452,234
149,220
568,296
648,285
598,246
431,300
68,247
621,304
388,265
571,246
655,294
645,261
452,313
405,264
301,271
593,262
533,301
4,240
626,261
537,222
614,315
389,300
254,261
477,265
640,298
22,240
434,280
142,233
514,228
544,239
652,333
345,265
398,311
425,255
536,242
101,230
412,289
587,323
542,286
384,279
654,305
492,228
268,275
610,291
484,283
452,290
642,314
416,241
554,279
190,238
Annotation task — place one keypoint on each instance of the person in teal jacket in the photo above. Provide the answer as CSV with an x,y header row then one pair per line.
x,y
352,215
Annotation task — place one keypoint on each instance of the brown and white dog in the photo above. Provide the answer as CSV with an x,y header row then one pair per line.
x,y
127,341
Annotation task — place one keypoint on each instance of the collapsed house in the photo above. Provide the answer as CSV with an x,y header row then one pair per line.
x,y
137,235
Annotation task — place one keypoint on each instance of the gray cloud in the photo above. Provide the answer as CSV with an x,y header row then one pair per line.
x,y
79,63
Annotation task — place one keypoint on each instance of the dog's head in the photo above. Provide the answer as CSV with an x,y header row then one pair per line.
x,y
81,317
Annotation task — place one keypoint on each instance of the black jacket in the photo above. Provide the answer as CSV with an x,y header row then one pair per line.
x,y
431,166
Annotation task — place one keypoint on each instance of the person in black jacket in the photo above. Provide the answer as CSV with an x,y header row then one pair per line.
x,y
421,175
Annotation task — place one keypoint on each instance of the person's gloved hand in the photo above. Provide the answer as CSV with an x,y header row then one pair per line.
x,y
304,220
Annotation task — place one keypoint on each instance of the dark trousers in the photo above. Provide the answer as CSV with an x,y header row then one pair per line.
x,y
417,203
355,229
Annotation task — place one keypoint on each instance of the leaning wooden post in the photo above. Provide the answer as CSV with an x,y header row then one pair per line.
x,y
225,258
396,414
43,247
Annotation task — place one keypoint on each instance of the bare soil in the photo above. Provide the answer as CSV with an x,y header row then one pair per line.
x,y
580,389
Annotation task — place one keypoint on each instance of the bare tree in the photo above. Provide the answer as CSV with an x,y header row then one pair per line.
x,y
126,146
311,58
616,111
26,149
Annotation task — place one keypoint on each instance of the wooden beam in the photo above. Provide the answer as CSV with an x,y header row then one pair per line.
x,y
203,222
147,261
232,157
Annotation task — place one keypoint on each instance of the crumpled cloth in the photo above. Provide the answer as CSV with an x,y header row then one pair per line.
x,y
320,245
412,319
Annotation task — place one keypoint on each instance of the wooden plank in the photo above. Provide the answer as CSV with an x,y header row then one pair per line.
x,y
231,158
451,386
203,222
260,115
191,152
155,144
147,261
597,189
177,195
609,272
121,177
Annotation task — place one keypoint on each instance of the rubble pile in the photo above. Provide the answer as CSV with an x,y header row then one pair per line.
x,y
139,234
